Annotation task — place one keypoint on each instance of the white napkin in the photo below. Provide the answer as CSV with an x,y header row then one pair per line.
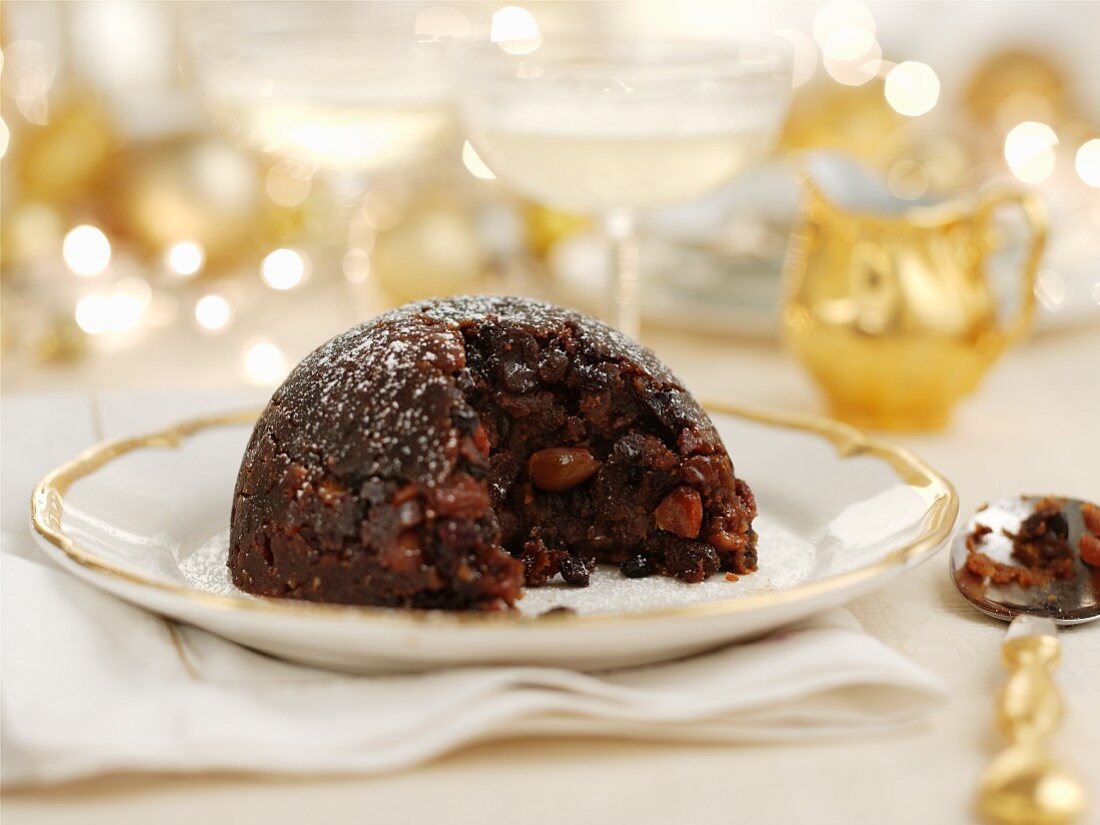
x,y
91,684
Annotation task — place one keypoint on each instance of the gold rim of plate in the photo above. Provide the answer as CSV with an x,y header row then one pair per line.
x,y
47,503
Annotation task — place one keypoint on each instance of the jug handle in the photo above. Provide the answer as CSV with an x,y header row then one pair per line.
x,y
1036,217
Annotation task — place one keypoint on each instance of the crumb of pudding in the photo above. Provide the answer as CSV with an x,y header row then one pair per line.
x,y
982,565
985,567
1042,542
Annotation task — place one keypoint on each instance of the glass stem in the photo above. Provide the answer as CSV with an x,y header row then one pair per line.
x,y
348,188
625,298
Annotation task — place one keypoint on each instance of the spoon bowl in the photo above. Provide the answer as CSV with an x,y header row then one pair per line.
x,y
1065,601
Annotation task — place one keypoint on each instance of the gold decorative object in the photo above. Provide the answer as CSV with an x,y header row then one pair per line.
x,y
189,187
855,120
892,314
931,164
62,340
1016,85
1023,785
30,232
65,158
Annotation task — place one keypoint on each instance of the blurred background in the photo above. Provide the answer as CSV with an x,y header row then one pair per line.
x,y
201,193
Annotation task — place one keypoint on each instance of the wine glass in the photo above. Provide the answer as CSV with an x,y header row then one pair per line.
x,y
345,91
607,126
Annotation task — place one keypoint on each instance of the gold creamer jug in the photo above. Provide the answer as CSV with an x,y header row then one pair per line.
x,y
894,314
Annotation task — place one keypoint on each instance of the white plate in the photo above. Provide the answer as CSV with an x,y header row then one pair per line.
x,y
146,518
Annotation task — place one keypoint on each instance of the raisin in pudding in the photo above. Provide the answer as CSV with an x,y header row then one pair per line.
x,y
451,452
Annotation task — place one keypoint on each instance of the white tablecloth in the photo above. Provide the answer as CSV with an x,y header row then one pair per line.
x,y
1033,426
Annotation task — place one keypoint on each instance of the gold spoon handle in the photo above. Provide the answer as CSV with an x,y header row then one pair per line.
x,y
1023,785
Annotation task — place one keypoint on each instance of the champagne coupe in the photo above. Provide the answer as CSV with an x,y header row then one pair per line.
x,y
610,126
342,90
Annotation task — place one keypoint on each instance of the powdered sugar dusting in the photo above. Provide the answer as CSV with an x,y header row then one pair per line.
x,y
375,401
369,400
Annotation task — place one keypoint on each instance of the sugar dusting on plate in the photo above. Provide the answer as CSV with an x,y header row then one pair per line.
x,y
786,560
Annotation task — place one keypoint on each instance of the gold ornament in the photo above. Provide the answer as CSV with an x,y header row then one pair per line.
x,y
65,158
1017,85
852,119
61,340
189,187
29,232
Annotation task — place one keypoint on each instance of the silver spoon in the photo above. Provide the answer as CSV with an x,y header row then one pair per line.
x,y
1023,783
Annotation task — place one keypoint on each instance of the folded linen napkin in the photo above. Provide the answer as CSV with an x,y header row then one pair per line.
x,y
91,684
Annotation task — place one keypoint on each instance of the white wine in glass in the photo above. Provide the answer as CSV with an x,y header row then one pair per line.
x,y
345,89
609,127
355,137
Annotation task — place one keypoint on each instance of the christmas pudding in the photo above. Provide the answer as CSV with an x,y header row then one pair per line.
x,y
451,452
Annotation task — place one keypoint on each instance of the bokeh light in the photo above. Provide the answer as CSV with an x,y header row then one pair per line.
x,y
385,205
185,258
29,70
474,164
118,311
855,72
86,250
264,363
356,266
515,30
213,312
5,136
912,88
283,269
35,110
1029,151
136,288
908,179
1088,162
92,312
124,311
287,184
1050,288
845,32
849,44
804,63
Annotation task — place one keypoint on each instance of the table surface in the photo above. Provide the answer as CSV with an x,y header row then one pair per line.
x,y
1032,426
